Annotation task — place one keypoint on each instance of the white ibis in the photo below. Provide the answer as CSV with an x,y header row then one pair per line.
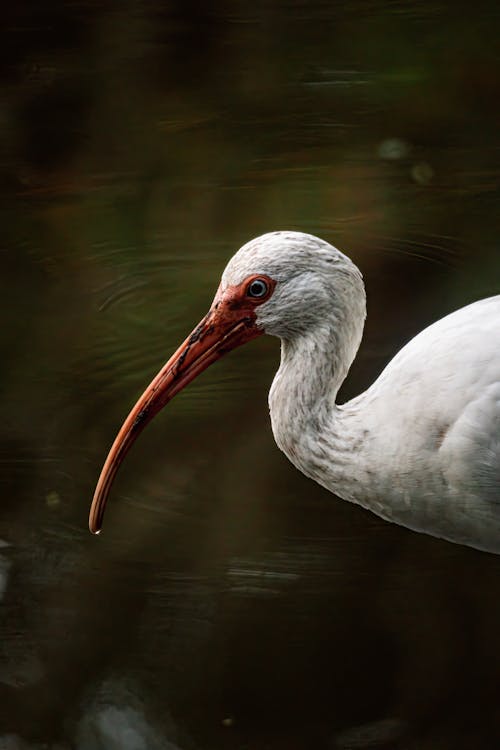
x,y
420,447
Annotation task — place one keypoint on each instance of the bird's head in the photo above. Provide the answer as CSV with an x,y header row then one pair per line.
x,y
282,283
291,282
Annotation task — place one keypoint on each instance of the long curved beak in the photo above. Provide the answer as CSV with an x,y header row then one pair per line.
x,y
226,326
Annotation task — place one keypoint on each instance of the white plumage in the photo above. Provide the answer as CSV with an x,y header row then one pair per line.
x,y
420,447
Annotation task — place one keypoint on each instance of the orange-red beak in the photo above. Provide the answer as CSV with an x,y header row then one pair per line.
x,y
230,322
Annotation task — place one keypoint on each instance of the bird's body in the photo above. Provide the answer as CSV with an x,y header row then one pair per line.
x,y
420,447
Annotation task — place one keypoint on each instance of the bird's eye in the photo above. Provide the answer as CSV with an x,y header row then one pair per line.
x,y
257,288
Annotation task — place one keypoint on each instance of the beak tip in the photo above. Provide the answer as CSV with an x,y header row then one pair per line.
x,y
95,530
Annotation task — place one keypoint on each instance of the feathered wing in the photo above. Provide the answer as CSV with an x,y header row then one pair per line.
x,y
471,449
433,417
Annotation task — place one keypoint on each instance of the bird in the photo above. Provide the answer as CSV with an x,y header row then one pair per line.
x,y
420,447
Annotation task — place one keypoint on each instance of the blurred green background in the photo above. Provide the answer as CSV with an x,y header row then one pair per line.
x,y
230,603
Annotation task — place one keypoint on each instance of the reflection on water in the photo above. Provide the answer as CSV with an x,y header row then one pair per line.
x,y
230,603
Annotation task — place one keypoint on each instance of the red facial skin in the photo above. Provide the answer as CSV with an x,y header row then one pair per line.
x,y
230,322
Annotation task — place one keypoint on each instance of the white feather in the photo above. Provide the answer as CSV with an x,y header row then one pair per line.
x,y
420,447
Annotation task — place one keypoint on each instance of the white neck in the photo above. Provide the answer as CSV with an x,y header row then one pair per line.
x,y
321,439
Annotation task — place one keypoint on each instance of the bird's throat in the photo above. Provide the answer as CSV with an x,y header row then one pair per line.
x,y
316,435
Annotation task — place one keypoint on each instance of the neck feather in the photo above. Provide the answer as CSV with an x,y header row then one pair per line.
x,y
321,439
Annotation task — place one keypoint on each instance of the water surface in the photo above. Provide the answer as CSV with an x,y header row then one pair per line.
x,y
230,603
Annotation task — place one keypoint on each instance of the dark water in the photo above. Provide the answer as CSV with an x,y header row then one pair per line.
x,y
230,602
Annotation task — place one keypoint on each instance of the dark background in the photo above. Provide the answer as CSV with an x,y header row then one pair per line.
x,y
230,603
